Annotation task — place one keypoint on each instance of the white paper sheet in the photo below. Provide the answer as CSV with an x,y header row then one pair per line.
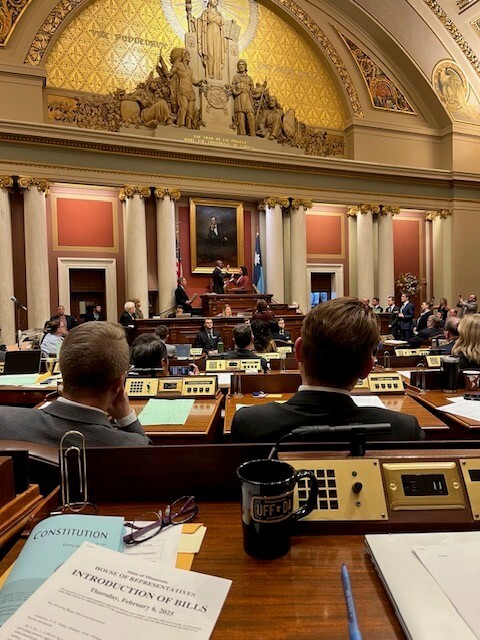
x,y
98,593
161,548
368,401
464,408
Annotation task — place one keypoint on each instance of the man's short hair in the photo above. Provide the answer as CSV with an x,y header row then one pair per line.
x,y
451,325
51,326
161,332
338,338
148,351
435,320
180,280
242,335
129,306
93,355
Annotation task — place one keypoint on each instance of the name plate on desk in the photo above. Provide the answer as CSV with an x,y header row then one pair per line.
x,y
285,349
412,352
386,382
434,361
274,355
196,352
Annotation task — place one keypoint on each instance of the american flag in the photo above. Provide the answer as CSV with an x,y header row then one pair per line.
x,y
178,257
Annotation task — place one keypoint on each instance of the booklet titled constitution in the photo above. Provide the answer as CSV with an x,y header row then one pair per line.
x,y
50,543
99,594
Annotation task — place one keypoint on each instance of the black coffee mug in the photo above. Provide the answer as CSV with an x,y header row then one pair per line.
x,y
450,367
267,505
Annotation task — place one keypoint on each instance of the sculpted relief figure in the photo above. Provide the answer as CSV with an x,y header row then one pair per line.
x,y
243,91
270,124
211,41
181,88
147,104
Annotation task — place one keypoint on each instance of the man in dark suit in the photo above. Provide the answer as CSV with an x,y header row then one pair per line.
x,y
393,310
405,317
450,333
94,359
218,277
280,332
432,330
181,296
216,240
243,339
207,338
336,348
425,313
67,322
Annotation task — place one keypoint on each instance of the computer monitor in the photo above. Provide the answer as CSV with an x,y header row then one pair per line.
x,y
183,351
20,362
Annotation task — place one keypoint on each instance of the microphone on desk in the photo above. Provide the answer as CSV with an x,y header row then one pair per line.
x,y
18,303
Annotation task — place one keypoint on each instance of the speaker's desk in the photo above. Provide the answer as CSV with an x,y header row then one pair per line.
x,y
200,427
297,596
433,425
461,427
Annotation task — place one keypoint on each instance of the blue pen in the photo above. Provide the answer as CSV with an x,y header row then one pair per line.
x,y
353,630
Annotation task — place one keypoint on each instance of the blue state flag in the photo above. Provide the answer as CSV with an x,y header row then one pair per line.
x,y
258,279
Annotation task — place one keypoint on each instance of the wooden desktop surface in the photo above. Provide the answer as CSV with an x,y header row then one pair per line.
x,y
433,425
199,427
298,596
23,397
460,426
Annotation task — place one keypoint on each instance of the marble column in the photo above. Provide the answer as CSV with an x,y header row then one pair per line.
x,y
365,256
7,307
299,284
36,251
386,275
274,250
166,246
135,234
442,254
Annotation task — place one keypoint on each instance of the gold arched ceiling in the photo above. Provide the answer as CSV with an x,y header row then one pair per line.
x,y
115,43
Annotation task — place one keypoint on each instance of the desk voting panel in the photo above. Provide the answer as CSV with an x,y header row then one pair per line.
x,y
427,487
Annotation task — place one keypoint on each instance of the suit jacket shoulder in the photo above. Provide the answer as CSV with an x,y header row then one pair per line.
x,y
270,421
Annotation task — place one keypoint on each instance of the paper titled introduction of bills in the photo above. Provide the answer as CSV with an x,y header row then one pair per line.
x,y
102,594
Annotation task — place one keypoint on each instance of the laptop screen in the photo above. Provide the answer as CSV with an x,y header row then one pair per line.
x,y
183,350
18,362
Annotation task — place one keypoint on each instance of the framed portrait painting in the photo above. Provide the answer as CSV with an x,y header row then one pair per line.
x,y
216,233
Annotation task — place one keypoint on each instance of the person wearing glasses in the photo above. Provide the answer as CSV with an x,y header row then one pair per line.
x,y
94,359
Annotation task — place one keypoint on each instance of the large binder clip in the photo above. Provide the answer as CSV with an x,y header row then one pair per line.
x,y
73,474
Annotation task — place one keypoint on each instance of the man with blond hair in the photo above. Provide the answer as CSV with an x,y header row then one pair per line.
x,y
94,359
336,348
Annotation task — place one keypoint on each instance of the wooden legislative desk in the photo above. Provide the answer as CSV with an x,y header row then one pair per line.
x,y
213,303
460,427
201,426
297,596
22,396
433,425
184,330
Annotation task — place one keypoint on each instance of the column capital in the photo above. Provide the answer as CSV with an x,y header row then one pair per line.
x,y
272,201
443,214
387,209
161,192
363,209
306,203
128,191
40,183
6,182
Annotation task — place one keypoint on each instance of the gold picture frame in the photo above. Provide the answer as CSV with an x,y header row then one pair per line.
x,y
225,243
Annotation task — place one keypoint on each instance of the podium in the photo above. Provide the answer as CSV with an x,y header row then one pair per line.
x,y
213,303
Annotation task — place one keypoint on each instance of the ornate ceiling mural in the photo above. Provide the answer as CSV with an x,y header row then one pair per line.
x,y
383,92
116,43
10,12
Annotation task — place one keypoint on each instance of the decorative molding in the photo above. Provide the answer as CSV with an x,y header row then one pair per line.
x,y
161,192
384,93
41,184
306,203
6,182
128,191
10,12
443,214
363,209
386,209
273,201
48,29
455,33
